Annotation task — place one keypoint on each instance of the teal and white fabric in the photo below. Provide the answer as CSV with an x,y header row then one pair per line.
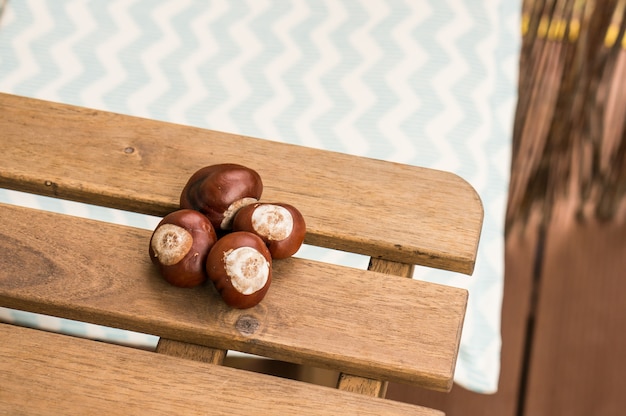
x,y
422,82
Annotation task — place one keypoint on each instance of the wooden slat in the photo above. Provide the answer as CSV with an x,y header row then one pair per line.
x,y
380,209
356,321
365,385
190,351
51,374
362,385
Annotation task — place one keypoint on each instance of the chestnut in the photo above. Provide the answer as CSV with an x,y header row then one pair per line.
x,y
179,246
218,191
240,267
281,226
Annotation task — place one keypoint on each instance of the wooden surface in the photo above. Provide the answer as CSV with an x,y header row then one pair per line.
x,y
380,209
357,321
365,385
39,372
372,326
190,351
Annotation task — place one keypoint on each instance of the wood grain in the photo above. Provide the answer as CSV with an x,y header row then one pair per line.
x,y
190,351
357,321
380,209
362,385
51,374
365,385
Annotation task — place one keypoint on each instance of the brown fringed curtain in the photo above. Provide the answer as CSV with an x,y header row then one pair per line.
x,y
569,135
566,227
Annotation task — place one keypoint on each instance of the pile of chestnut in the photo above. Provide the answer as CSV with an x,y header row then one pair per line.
x,y
224,233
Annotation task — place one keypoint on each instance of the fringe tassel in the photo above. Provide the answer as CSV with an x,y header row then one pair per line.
x,y
569,138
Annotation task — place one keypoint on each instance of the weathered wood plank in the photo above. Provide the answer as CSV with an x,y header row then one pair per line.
x,y
365,385
377,208
356,321
54,374
362,385
190,351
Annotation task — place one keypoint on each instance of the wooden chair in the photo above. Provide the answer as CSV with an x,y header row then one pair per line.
x,y
371,325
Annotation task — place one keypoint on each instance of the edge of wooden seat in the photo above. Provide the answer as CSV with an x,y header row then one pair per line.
x,y
373,207
392,328
57,374
358,321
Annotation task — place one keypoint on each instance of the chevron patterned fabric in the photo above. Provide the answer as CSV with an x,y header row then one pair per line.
x,y
423,82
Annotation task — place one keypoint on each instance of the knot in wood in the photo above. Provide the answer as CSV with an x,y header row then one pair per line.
x,y
247,325
53,185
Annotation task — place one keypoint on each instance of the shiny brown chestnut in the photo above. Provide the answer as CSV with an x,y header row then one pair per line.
x,y
240,267
179,246
218,191
281,226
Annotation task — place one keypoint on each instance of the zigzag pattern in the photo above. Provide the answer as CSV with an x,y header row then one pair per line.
x,y
424,82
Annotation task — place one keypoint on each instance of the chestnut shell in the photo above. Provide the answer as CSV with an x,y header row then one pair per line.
x,y
213,189
190,271
216,269
279,248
